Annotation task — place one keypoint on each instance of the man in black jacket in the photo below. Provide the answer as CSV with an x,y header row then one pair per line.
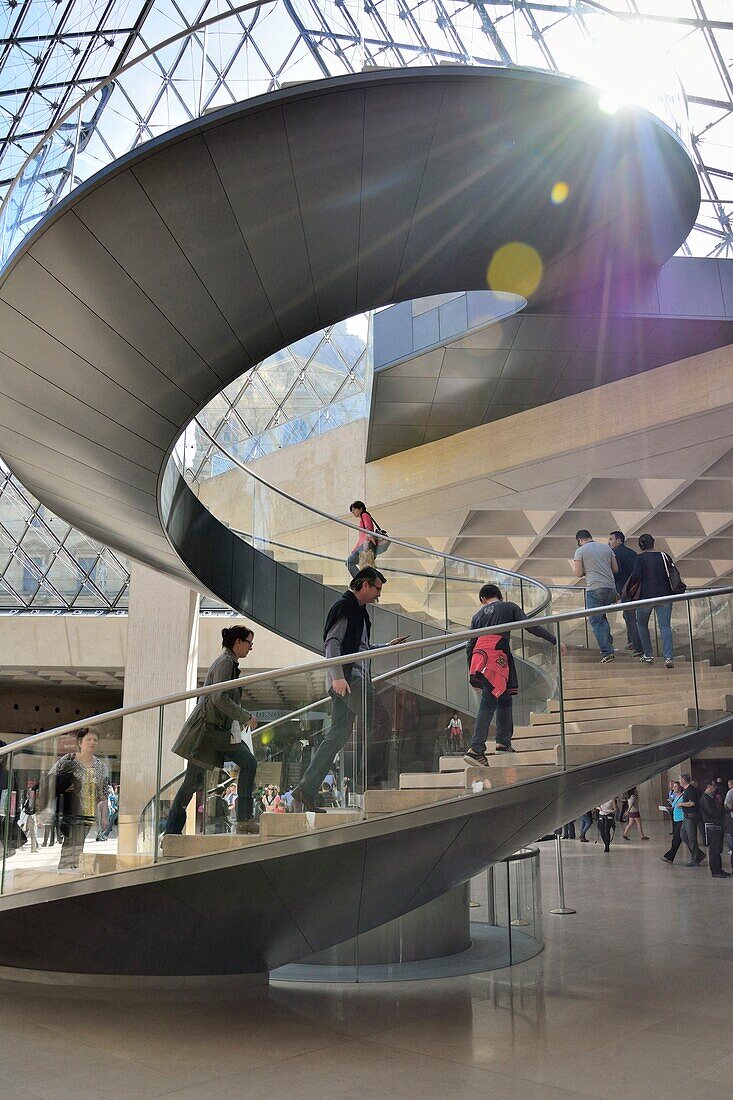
x,y
495,611
347,631
625,558
713,817
690,805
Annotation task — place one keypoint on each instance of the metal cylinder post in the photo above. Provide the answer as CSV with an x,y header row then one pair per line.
x,y
562,908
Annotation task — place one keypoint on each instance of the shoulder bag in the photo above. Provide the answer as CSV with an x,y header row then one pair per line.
x,y
676,583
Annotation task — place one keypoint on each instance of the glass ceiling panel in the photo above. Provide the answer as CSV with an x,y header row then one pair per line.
x,y
52,53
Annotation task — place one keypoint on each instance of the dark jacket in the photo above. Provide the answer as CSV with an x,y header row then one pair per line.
x,y
711,811
357,616
650,570
500,612
206,734
625,558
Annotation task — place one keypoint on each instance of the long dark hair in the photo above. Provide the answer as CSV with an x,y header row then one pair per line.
x,y
232,634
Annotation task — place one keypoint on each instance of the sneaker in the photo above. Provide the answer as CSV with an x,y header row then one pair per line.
x,y
721,874
476,759
693,863
669,663
247,828
646,660
666,859
608,658
503,748
306,801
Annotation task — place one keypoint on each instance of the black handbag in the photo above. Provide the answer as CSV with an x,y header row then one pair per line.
x,y
676,583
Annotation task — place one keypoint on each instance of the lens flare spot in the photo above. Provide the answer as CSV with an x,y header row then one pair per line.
x,y
559,192
516,267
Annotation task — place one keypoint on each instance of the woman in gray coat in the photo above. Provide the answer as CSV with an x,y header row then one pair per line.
x,y
207,739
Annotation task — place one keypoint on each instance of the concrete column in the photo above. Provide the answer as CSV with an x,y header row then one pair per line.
x,y
162,659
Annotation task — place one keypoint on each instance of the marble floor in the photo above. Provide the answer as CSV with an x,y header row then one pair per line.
x,y
631,998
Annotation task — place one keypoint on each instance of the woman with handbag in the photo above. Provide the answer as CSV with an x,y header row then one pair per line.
x,y
81,780
649,578
212,735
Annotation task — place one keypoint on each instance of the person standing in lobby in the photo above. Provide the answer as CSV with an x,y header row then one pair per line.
x,y
674,801
713,817
208,740
597,563
625,558
690,806
607,821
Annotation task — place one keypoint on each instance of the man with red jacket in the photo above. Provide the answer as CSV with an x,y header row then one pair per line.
x,y
500,673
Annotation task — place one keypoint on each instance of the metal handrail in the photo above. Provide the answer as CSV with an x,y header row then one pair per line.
x,y
522,577
447,640
115,74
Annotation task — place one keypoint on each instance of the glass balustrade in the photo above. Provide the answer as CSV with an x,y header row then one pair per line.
x,y
82,801
439,589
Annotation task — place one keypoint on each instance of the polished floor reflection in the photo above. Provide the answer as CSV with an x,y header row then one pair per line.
x,y
630,998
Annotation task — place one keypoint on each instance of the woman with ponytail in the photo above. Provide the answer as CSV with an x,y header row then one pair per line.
x,y
207,739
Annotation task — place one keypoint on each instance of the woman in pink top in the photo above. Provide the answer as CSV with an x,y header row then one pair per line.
x,y
359,511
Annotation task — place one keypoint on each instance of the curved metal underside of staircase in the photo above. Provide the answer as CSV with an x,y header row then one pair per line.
x,y
158,281
255,909
154,285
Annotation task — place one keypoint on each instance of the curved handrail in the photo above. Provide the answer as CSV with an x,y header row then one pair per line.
x,y
446,640
428,551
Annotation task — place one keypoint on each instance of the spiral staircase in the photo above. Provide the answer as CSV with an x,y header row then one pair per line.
x,y
125,293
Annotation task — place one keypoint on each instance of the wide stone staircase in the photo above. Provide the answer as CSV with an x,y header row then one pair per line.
x,y
607,709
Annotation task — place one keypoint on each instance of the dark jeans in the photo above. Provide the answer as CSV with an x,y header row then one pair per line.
x,y
195,780
504,721
714,837
600,597
605,828
632,631
343,712
568,832
676,841
689,835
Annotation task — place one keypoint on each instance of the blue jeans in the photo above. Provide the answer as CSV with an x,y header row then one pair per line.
x,y
632,631
664,621
504,721
586,820
599,597
195,780
352,562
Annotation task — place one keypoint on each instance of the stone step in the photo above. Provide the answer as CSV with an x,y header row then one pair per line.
x,y
657,712
614,692
610,703
190,844
589,726
276,825
388,802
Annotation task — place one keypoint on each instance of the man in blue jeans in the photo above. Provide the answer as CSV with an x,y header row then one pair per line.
x,y
596,562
